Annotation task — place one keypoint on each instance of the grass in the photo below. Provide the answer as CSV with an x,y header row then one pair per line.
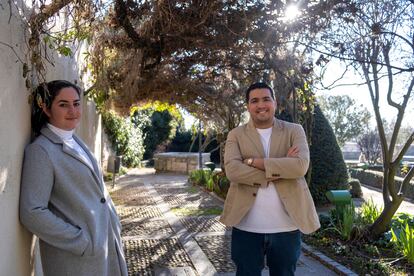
x,y
188,211
192,190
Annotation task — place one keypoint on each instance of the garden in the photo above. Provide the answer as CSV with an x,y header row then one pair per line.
x,y
340,236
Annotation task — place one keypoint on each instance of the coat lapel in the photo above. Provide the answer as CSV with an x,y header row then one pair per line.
x,y
91,157
254,136
68,150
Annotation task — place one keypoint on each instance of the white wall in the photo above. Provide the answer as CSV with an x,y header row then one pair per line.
x,y
15,241
14,135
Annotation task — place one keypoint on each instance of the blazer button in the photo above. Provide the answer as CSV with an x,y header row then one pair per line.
x,y
103,200
254,194
276,175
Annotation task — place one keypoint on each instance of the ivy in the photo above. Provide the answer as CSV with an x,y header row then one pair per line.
x,y
124,137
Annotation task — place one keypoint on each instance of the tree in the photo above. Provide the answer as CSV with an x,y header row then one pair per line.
x,y
370,145
158,123
348,120
376,38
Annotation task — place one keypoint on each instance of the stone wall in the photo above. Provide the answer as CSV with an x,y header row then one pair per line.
x,y
178,161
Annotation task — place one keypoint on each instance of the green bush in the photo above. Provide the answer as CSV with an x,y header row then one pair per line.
x,y
369,212
356,190
200,177
216,182
329,171
404,240
158,123
344,220
124,137
196,177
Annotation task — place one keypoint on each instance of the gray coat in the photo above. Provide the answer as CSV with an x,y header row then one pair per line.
x,y
65,203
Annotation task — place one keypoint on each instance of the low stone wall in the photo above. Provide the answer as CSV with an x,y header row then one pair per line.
x,y
178,161
374,179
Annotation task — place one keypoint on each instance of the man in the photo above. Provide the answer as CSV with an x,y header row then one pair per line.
x,y
268,203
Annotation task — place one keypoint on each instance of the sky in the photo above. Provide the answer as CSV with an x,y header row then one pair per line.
x,y
361,94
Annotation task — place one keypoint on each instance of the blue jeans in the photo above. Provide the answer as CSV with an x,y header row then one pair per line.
x,y
248,250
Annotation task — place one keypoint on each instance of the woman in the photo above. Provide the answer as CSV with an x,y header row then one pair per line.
x,y
63,198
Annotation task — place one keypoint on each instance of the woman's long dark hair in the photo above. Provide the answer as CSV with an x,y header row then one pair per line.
x,y
44,94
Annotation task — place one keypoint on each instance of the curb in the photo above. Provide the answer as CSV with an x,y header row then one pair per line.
x,y
335,266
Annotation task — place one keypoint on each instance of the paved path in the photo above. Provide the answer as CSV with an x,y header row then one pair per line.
x,y
376,196
172,228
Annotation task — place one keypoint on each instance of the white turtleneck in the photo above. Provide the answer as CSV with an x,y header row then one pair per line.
x,y
67,138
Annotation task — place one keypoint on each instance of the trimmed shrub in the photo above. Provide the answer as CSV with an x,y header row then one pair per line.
x,y
329,171
356,190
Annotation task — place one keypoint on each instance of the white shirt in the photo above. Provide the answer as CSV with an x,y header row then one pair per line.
x,y
268,214
67,138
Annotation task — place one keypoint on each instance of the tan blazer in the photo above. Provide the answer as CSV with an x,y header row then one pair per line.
x,y
244,142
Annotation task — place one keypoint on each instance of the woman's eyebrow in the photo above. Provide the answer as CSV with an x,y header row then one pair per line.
x,y
66,101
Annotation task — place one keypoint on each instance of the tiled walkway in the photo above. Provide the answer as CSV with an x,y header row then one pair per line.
x,y
172,228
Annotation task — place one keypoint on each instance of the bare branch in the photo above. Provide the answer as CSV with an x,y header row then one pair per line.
x,y
340,57
14,51
10,11
386,52
400,117
401,37
404,149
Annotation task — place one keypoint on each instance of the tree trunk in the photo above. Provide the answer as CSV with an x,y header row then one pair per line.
x,y
382,224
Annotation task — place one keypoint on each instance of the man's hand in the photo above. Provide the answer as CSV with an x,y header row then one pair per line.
x,y
293,152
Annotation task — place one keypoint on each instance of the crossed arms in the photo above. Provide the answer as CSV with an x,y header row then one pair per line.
x,y
264,170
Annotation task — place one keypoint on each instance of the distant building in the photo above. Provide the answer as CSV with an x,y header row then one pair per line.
x,y
351,152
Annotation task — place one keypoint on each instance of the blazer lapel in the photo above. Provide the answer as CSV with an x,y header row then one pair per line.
x,y
254,136
275,138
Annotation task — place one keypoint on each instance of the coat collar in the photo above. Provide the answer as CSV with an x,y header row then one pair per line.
x,y
254,136
45,131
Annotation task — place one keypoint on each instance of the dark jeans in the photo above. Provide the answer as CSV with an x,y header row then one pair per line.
x,y
248,251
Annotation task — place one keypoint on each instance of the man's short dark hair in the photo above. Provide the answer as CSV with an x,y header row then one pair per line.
x,y
258,85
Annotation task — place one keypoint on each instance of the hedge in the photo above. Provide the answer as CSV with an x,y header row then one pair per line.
x,y
374,179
